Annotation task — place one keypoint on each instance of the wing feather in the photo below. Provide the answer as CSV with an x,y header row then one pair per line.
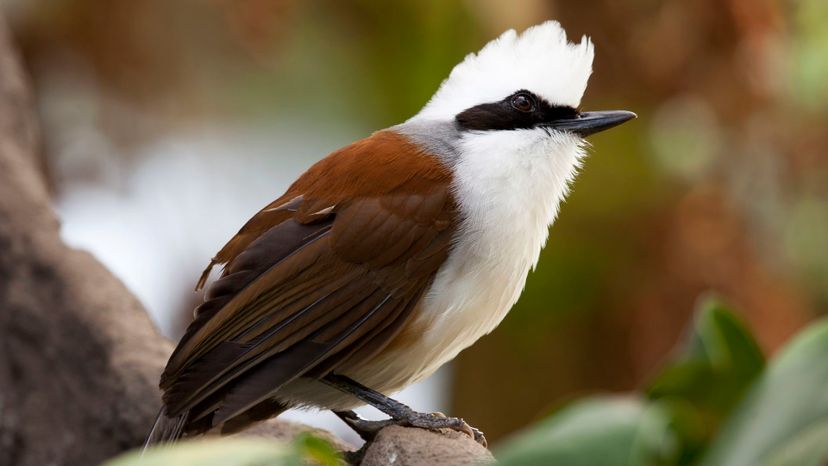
x,y
322,274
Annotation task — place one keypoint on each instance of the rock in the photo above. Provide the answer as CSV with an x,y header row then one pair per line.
x,y
401,446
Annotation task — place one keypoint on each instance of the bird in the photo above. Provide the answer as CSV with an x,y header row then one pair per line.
x,y
391,255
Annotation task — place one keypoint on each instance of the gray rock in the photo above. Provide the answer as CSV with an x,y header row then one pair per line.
x,y
400,446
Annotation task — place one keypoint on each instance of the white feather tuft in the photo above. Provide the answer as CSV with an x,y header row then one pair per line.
x,y
540,60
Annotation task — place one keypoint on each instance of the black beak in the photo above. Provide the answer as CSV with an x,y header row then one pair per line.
x,y
587,123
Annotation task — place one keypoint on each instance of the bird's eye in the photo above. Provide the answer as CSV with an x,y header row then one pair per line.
x,y
523,103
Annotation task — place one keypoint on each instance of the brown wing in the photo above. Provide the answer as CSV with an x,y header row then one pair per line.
x,y
334,266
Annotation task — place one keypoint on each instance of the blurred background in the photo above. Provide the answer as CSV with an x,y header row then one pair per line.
x,y
167,124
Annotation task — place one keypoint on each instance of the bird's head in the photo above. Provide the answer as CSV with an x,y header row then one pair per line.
x,y
512,111
533,80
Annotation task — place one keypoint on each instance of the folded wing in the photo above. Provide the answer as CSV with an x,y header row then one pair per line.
x,y
333,267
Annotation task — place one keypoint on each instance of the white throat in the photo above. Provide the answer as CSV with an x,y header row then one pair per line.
x,y
508,186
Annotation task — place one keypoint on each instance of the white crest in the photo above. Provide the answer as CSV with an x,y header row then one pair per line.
x,y
541,60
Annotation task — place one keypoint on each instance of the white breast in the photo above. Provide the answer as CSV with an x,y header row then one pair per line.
x,y
508,186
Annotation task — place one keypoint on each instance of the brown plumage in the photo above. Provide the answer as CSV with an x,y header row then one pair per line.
x,y
333,268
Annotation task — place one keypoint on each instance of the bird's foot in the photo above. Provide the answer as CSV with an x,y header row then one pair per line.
x,y
435,421
432,421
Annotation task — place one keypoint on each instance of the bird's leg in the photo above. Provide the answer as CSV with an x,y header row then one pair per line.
x,y
400,414
366,429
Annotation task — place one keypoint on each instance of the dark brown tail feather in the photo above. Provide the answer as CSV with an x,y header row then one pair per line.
x,y
166,429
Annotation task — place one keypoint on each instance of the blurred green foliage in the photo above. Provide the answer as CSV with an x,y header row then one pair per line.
x,y
304,450
599,431
784,417
708,376
714,404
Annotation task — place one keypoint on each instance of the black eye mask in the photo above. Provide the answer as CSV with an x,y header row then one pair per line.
x,y
512,113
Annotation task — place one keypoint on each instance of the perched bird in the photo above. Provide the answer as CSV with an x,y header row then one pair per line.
x,y
391,255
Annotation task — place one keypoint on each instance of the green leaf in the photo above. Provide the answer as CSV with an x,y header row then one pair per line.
x,y
782,420
213,452
809,448
319,450
708,376
609,431
719,361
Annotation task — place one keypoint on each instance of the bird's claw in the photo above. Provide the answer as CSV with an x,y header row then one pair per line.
x,y
434,421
